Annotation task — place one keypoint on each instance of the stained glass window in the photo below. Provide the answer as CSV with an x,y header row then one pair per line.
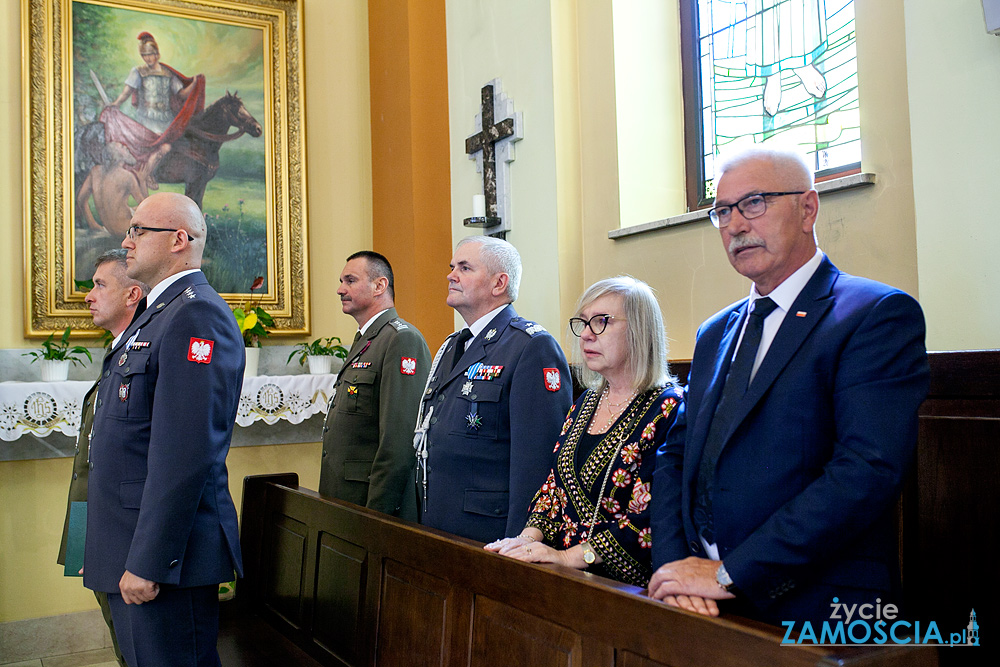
x,y
780,72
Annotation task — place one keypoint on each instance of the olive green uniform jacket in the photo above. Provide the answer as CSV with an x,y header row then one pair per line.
x,y
368,456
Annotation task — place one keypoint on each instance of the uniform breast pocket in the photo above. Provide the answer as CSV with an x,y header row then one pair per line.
x,y
356,391
481,411
130,382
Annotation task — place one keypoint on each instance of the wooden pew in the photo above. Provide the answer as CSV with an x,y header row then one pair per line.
x,y
354,587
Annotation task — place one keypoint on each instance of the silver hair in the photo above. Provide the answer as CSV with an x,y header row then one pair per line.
x,y
499,256
791,162
645,335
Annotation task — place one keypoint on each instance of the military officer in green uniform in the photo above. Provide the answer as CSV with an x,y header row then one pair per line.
x,y
112,303
368,435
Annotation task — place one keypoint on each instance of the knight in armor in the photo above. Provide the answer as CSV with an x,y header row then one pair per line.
x,y
158,91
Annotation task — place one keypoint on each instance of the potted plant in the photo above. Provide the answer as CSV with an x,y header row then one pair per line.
x,y
320,354
57,355
253,322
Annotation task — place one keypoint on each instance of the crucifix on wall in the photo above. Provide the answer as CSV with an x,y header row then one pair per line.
x,y
491,146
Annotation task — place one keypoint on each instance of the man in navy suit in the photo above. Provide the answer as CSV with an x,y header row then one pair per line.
x,y
161,525
497,396
776,488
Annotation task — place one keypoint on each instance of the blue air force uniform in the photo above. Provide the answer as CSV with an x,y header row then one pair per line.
x,y
158,501
492,422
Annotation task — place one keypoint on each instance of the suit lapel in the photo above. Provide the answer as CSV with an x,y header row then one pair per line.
x,y
366,340
479,345
814,300
713,392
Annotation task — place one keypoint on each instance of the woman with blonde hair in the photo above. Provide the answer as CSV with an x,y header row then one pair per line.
x,y
593,510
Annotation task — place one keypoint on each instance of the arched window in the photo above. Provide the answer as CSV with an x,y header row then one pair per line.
x,y
769,71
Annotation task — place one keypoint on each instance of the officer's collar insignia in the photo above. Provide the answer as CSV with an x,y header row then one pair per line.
x,y
189,293
490,334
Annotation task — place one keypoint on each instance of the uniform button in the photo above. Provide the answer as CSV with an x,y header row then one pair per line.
x,y
440,398
325,429
695,547
324,452
173,563
74,475
498,511
77,449
99,401
91,465
128,369
434,420
473,398
107,373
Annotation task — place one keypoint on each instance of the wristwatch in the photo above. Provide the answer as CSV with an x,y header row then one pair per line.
x,y
589,557
724,580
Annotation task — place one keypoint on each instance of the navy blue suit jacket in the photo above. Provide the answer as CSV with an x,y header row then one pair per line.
x,y
806,485
482,477
158,502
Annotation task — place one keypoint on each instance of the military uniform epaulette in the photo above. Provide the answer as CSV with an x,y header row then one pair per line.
x,y
527,326
399,325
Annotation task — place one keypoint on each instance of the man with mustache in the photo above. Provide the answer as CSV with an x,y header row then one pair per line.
x,y
368,434
776,489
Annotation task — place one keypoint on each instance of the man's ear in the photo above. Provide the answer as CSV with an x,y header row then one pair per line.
x,y
810,210
181,240
133,295
500,284
381,285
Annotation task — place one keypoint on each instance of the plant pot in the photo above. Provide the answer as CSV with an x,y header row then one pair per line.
x,y
319,364
253,359
55,370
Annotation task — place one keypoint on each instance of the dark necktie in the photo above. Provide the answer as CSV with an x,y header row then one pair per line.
x,y
460,340
737,383
357,337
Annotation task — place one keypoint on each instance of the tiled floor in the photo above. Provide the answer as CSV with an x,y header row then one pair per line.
x,y
101,658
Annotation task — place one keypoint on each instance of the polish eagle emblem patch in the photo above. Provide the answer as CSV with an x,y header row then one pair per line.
x,y
408,366
552,379
200,350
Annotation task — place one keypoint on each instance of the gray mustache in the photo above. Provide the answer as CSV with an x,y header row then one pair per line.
x,y
738,242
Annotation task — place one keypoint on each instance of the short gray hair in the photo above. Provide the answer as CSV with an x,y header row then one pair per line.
x,y
117,255
499,256
791,163
645,335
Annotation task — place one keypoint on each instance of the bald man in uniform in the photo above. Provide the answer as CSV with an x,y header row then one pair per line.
x,y
162,530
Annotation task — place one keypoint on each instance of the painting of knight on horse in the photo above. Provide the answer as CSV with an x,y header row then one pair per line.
x,y
158,133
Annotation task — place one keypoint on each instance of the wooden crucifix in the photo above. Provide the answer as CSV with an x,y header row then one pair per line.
x,y
490,137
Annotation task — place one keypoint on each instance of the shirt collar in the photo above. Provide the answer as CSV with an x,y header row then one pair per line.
x,y
477,327
162,286
363,329
784,295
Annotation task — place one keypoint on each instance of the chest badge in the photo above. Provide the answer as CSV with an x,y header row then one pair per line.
x,y
123,392
122,359
466,389
352,390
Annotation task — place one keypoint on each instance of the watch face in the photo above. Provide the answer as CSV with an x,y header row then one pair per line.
x,y
589,556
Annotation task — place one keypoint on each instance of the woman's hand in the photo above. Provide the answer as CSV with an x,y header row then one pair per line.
x,y
529,551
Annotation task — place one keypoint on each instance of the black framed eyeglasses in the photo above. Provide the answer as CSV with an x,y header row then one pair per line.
x,y
751,206
597,324
131,233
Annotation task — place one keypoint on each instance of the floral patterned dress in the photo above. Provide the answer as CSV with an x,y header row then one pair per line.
x,y
615,467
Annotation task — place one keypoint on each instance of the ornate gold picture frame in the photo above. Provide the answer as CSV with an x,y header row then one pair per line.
x,y
127,97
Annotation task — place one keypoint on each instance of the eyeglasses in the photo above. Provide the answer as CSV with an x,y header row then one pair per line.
x,y
131,233
597,324
751,206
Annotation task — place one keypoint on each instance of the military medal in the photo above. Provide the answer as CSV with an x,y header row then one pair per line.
x,y
466,389
123,392
479,371
474,421
122,359
352,390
